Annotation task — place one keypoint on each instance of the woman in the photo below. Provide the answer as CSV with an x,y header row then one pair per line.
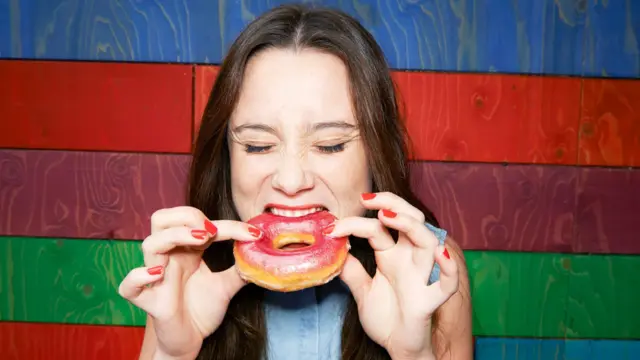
x,y
303,113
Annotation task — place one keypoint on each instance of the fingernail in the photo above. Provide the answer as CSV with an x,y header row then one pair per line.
x,y
254,231
156,270
446,253
368,196
327,230
212,229
199,234
388,213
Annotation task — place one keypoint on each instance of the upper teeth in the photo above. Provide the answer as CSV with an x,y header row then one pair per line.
x,y
294,213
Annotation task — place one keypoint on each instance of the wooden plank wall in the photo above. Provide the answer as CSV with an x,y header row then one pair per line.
x,y
535,102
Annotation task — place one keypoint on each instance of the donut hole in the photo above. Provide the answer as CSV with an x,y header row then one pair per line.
x,y
293,241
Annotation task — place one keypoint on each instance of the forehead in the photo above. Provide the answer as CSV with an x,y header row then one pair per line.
x,y
282,85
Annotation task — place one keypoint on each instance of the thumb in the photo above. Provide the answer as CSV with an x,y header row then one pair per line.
x,y
356,277
449,278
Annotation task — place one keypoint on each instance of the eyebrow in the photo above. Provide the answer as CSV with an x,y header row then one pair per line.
x,y
316,127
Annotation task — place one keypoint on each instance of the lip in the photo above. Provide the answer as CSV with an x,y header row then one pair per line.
x,y
293,207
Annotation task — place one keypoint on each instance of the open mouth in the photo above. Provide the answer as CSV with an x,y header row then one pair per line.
x,y
294,213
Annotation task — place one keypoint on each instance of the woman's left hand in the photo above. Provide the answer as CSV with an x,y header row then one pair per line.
x,y
396,305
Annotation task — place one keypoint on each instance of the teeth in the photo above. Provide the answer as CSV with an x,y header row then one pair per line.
x,y
294,213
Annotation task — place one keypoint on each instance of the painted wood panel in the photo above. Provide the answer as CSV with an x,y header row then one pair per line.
x,y
491,206
95,106
205,77
491,118
612,38
597,305
20,341
86,194
517,293
514,294
608,203
610,124
67,281
555,349
529,36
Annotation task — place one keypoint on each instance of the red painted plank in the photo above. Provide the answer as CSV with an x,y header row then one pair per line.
x,y
86,194
34,341
95,106
478,117
205,77
491,117
490,206
608,211
610,124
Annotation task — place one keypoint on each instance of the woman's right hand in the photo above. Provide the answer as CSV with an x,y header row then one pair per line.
x,y
185,301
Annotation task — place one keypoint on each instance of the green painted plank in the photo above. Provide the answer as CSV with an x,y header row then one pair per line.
x,y
603,297
514,294
517,293
66,281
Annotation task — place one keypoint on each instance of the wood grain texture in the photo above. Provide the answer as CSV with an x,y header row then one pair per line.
x,y
95,106
608,203
612,38
67,281
528,36
555,349
610,124
603,297
514,294
20,341
205,78
86,194
519,294
491,206
491,118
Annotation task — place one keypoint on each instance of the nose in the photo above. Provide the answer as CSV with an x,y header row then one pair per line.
x,y
291,176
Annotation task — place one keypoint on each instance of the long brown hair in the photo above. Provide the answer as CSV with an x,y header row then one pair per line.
x,y
242,334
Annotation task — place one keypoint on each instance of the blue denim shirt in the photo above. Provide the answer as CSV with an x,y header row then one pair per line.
x,y
307,324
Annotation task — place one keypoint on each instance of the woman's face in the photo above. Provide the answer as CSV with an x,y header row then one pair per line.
x,y
294,141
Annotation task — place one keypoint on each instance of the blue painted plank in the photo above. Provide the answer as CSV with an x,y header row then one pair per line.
x,y
519,349
526,36
555,349
612,36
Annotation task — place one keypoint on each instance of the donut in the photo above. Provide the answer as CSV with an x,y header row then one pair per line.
x,y
292,253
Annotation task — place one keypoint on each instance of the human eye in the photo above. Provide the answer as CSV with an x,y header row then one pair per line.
x,y
253,149
332,149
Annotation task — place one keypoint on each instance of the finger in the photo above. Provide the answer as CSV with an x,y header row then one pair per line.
x,y
231,281
356,277
135,284
447,285
156,246
391,201
371,229
178,216
415,231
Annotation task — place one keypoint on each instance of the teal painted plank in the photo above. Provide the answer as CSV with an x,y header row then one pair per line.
x,y
612,36
555,349
527,36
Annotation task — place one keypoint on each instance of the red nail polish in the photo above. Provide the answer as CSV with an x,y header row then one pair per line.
x,y
327,230
199,234
254,231
212,229
388,213
156,270
368,196
446,253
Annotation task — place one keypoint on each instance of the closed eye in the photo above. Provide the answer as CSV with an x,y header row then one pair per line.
x,y
256,149
332,149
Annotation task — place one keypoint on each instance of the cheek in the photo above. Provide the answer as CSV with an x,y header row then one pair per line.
x,y
247,175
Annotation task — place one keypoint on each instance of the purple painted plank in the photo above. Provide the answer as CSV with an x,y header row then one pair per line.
x,y
608,211
86,194
496,207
